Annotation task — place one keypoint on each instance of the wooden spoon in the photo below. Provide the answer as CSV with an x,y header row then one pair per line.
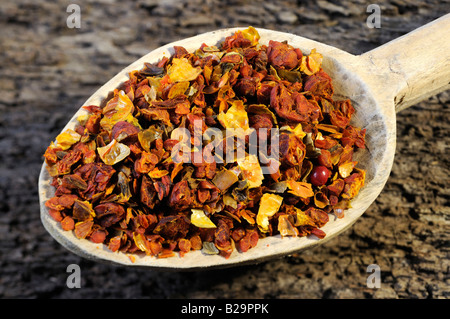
x,y
379,83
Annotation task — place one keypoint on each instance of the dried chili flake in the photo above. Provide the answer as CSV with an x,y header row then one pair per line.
x,y
199,219
119,108
134,175
235,118
285,226
113,153
251,170
181,70
312,63
98,236
268,206
67,223
83,228
282,55
82,210
67,138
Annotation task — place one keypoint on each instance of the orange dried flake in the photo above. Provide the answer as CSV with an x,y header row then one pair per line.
x,y
300,189
114,243
67,223
285,227
83,229
166,253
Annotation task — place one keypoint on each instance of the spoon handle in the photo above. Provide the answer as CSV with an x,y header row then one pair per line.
x,y
415,66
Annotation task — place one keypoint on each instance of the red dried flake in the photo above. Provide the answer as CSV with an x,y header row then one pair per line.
x,y
319,84
98,236
326,143
353,136
184,245
115,243
55,214
146,163
181,196
318,233
83,229
324,158
248,240
173,227
318,216
64,166
196,242
236,40
282,55
123,130
292,150
166,253
293,106
336,187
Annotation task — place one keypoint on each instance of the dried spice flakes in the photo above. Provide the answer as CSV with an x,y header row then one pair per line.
x,y
135,176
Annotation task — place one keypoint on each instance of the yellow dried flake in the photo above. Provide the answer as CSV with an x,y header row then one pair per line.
x,y
113,153
157,173
67,138
301,219
251,170
285,227
346,169
251,34
311,63
357,183
235,118
82,119
119,108
178,89
141,243
199,219
300,189
268,206
297,131
182,70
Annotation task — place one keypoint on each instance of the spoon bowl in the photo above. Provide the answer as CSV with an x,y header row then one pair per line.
x,y
379,83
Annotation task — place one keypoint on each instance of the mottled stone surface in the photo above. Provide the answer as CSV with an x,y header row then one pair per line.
x,y
48,70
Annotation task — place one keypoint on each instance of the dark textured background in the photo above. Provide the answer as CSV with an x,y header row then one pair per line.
x,y
48,70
